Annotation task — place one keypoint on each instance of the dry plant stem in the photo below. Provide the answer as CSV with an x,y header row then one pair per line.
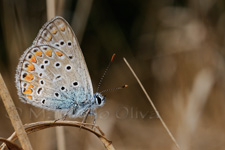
x,y
10,145
14,116
149,99
50,9
33,127
81,14
60,4
60,134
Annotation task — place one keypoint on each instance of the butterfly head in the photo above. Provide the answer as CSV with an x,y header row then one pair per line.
x,y
99,99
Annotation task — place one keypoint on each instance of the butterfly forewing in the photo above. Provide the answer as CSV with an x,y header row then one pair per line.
x,y
52,73
57,32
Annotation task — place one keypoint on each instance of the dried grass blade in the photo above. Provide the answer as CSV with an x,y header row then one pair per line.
x,y
149,99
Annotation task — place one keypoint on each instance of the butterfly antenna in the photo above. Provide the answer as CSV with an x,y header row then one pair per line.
x,y
114,89
106,70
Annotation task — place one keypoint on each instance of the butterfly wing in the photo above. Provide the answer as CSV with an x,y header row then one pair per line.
x,y
57,32
52,73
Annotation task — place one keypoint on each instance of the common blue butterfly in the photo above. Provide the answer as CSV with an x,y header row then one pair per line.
x,y
52,73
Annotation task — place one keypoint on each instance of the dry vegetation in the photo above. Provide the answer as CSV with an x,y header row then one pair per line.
x,y
176,49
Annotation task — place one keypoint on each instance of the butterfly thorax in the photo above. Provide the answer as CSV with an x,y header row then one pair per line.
x,y
82,108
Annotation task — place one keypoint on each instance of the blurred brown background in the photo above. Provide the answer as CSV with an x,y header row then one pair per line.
x,y
176,47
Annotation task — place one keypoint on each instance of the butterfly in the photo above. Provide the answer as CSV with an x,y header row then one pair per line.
x,y
52,73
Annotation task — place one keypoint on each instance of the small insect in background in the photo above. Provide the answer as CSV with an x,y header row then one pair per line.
x,y
52,73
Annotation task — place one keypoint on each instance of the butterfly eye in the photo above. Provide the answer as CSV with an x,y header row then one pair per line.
x,y
98,100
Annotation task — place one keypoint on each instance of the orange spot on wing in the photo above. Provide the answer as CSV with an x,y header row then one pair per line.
x,y
54,31
33,59
38,53
30,86
62,28
29,77
30,67
30,97
48,52
28,91
59,53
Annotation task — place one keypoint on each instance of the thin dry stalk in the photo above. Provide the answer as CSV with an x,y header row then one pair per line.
x,y
60,134
10,145
79,22
149,99
14,116
37,126
60,4
50,9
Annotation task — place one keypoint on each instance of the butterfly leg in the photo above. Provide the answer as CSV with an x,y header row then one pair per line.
x,y
85,118
59,119
95,117
65,115
89,112
62,118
